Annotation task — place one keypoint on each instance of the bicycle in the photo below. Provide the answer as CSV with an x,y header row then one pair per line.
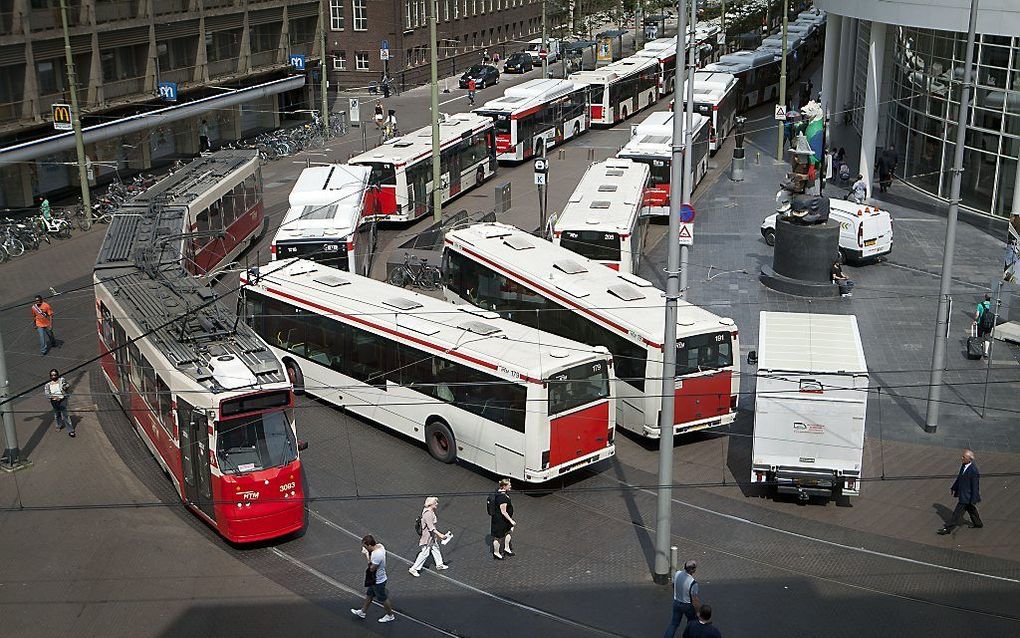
x,y
13,246
420,275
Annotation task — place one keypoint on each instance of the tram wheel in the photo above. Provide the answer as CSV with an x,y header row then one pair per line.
x,y
439,438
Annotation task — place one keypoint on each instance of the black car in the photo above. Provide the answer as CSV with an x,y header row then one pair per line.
x,y
483,74
518,63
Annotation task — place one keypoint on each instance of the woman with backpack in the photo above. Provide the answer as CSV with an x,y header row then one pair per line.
x,y
429,534
501,510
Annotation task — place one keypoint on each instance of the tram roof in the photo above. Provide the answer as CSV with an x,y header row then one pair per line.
x,y
614,71
434,323
608,197
418,144
139,263
629,303
654,136
528,95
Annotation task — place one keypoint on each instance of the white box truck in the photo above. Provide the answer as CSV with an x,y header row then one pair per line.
x,y
811,400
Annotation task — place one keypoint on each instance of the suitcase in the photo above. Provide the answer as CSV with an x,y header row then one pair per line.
x,y
975,347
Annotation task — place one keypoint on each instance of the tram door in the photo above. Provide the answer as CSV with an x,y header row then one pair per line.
x,y
121,357
194,432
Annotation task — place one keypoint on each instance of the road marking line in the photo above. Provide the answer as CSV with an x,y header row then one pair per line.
x,y
472,588
350,590
460,97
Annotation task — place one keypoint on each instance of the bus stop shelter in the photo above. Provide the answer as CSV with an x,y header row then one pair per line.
x,y
609,46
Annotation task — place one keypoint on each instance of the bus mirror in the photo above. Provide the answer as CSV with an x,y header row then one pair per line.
x,y
752,358
302,445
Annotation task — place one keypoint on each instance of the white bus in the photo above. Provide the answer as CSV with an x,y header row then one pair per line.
x,y
663,50
471,386
603,218
651,143
621,89
715,97
401,180
529,280
325,221
757,72
532,117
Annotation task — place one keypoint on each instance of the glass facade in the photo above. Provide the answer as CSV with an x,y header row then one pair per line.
x,y
926,87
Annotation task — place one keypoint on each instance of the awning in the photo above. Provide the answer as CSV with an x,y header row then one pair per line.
x,y
144,121
612,33
571,47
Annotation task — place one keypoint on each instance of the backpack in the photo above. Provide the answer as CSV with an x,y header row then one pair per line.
x,y
844,172
417,525
987,320
490,504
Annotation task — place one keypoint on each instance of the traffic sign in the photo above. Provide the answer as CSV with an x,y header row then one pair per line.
x,y
354,109
686,213
384,54
686,234
540,179
168,91
780,112
384,44
297,60
541,165
543,54
62,117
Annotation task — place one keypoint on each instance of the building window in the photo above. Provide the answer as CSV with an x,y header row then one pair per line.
x,y
456,9
360,17
336,15
361,60
446,10
408,10
340,61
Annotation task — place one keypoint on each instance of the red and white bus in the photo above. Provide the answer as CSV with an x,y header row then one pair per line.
x,y
221,195
471,386
206,396
401,180
531,281
603,219
621,89
651,143
715,97
326,220
533,117
757,73
663,50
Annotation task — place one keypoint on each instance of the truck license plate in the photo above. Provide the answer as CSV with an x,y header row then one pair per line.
x,y
870,242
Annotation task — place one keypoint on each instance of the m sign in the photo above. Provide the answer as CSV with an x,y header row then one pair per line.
x,y
62,117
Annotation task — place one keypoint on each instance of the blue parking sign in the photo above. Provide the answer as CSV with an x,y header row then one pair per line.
x,y
297,61
168,91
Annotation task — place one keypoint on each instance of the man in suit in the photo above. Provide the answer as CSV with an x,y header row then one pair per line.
x,y
966,488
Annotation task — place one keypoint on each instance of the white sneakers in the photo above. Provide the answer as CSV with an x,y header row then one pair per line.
x,y
386,618
414,572
442,567
358,613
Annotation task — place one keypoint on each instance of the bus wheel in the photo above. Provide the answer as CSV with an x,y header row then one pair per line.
x,y
539,148
577,130
296,378
440,440
479,175
624,112
770,237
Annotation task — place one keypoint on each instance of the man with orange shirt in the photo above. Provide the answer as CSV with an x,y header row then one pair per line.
x,y
42,312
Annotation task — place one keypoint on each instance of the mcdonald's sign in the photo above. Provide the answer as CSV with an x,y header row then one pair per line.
x,y
62,117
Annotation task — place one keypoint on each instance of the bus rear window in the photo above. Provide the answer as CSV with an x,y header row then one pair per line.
x,y
502,123
382,174
699,353
592,244
578,386
255,402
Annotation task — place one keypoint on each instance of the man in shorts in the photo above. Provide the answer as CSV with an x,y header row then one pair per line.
x,y
375,579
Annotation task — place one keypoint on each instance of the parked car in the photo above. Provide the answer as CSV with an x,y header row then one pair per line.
x,y
483,74
518,63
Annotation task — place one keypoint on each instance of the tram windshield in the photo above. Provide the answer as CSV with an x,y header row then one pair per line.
x,y
255,442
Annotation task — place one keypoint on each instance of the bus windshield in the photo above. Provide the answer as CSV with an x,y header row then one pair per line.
x,y
255,442
502,123
593,244
699,353
578,386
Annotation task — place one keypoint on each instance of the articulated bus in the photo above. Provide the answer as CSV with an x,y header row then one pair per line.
x,y
621,89
401,180
326,220
663,50
603,218
221,196
533,117
470,385
651,143
757,72
715,97
796,58
205,395
534,282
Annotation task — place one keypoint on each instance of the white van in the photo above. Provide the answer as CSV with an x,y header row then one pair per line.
x,y
865,232
535,47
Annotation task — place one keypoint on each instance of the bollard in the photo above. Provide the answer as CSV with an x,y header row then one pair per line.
x,y
674,553
757,157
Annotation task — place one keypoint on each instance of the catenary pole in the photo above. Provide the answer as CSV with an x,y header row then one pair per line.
x,y
692,63
938,357
782,78
545,42
437,169
323,66
12,452
79,144
664,500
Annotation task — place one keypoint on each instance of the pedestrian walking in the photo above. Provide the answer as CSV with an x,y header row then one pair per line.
x,y
501,511
967,490
44,209
859,191
42,313
375,579
386,86
685,598
56,391
703,628
379,115
203,137
429,538
471,91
